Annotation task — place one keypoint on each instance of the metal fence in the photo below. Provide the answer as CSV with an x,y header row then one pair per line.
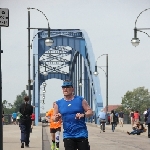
x,y
127,119
7,119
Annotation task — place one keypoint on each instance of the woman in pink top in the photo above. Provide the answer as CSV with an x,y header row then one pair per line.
x,y
136,116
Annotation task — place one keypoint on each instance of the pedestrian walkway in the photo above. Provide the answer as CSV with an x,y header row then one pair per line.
x,y
105,140
109,140
11,138
125,128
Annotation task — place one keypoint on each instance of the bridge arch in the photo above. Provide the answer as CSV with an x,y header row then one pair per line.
x,y
80,62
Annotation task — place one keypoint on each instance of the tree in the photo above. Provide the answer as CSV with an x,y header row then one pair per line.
x,y
4,103
10,108
19,100
7,107
138,99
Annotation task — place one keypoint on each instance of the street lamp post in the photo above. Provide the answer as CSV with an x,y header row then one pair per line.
x,y
34,75
48,42
29,80
44,91
80,82
1,126
106,73
135,41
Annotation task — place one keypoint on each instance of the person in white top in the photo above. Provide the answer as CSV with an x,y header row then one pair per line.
x,y
145,119
145,112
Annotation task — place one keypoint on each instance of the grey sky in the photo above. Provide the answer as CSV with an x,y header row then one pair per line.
x,y
109,24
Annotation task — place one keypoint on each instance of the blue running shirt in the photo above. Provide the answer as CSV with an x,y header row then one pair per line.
x,y
73,128
14,115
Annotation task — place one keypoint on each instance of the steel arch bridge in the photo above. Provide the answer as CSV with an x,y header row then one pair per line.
x,y
70,57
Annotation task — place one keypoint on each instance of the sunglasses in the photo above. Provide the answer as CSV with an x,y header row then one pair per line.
x,y
67,87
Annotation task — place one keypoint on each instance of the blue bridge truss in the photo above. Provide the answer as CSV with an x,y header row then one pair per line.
x,y
70,57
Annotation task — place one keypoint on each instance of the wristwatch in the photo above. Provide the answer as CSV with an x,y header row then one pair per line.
x,y
84,114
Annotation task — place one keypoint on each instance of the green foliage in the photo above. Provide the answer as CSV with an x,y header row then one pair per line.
x,y
10,108
123,109
138,99
19,100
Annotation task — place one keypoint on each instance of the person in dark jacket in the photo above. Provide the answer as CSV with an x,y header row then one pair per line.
x,y
3,117
113,120
26,111
147,119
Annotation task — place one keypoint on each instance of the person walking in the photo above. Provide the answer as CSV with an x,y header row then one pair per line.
x,y
55,129
73,110
14,117
147,119
132,117
26,111
117,120
2,117
33,119
102,119
113,120
121,116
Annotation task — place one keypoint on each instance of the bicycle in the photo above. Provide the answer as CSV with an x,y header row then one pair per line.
x,y
102,125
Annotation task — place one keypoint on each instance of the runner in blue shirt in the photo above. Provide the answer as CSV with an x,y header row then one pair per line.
x,y
73,110
14,116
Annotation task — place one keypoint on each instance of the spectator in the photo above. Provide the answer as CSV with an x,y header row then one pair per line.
x,y
137,129
121,116
136,116
132,117
147,116
145,111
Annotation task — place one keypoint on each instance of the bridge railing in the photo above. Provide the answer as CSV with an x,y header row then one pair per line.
x,y
7,119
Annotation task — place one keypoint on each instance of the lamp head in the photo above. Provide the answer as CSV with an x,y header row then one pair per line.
x,y
80,84
95,73
49,41
135,41
45,73
44,84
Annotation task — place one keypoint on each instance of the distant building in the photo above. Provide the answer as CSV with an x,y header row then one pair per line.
x,y
111,107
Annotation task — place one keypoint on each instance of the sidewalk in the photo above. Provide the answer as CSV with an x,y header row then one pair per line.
x,y
107,140
125,128
11,138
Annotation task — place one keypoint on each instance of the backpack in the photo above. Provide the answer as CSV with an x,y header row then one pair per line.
x,y
115,118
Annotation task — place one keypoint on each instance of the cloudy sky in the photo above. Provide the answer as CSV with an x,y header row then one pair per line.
x,y
109,24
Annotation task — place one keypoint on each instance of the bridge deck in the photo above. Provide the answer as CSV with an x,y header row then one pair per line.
x,y
108,140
